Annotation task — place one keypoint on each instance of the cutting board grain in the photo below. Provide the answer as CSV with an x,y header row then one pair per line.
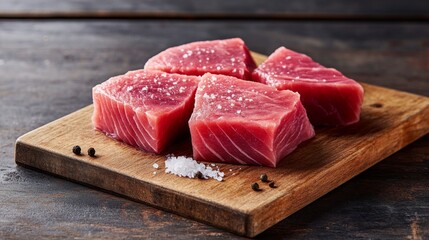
x,y
390,120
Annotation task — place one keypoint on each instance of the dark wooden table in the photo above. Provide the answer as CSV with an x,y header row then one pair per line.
x,y
53,52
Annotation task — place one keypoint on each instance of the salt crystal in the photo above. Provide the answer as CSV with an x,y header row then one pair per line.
x,y
218,68
238,111
154,173
187,167
155,165
219,106
129,88
185,55
288,57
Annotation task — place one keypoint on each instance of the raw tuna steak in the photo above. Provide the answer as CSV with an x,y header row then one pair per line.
x,y
329,97
146,109
245,122
229,57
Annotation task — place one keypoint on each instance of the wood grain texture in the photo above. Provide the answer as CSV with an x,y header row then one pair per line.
x,y
390,120
292,9
47,67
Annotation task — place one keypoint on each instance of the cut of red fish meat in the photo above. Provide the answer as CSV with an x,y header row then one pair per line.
x,y
329,97
244,122
228,57
145,109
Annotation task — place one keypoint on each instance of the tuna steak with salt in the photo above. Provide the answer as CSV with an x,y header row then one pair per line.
x,y
229,57
329,97
146,109
243,122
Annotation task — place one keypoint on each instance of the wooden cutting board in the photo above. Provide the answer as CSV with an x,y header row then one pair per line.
x,y
390,120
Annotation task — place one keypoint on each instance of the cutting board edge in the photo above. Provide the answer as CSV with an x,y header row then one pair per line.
x,y
237,216
418,132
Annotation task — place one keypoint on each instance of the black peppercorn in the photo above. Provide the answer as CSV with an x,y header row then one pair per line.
x,y
272,184
255,187
264,177
91,152
76,150
199,175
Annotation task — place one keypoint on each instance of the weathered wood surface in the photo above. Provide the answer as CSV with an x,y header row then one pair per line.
x,y
390,200
412,9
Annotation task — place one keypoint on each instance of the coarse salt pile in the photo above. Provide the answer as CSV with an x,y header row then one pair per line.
x,y
188,167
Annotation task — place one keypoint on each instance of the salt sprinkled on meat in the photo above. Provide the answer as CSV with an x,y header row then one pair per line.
x,y
187,167
227,57
155,165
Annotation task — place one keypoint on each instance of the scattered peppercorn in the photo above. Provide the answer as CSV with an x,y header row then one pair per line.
x,y
76,150
255,187
91,152
272,184
264,177
199,175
